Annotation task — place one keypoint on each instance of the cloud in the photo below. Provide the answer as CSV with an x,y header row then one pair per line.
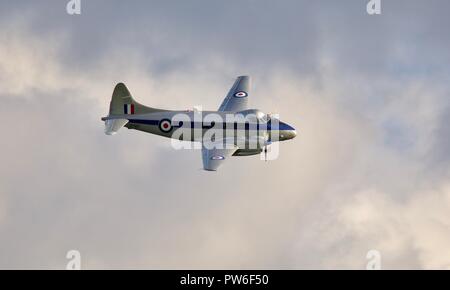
x,y
368,170
402,229
3,210
27,68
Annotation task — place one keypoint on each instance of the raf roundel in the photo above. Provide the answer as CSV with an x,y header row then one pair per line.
x,y
165,126
241,94
217,157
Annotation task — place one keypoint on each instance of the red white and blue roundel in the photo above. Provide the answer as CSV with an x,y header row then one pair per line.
x,y
217,157
165,126
241,94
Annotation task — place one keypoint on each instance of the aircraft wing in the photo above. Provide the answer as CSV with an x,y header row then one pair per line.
x,y
237,97
213,158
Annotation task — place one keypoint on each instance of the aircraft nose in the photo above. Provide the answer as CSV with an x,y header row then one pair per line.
x,y
293,134
287,132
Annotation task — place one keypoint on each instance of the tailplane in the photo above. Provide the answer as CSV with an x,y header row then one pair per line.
x,y
112,126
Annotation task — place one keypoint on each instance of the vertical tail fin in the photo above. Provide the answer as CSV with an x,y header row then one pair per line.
x,y
122,104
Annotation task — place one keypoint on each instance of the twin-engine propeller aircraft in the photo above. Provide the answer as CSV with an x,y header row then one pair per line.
x,y
233,130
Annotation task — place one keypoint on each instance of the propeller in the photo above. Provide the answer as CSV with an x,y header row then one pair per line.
x,y
266,144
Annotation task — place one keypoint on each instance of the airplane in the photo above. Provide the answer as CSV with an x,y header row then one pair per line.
x,y
232,130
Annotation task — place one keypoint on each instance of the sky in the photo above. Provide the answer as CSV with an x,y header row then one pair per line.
x,y
368,170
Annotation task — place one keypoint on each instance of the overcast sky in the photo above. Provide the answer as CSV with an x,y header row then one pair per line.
x,y
369,169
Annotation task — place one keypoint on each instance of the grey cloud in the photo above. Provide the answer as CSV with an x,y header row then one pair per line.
x,y
367,94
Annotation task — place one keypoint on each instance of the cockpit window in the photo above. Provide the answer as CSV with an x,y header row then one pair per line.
x,y
265,118
255,116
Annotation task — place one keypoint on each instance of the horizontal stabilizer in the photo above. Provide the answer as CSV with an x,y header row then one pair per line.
x,y
112,126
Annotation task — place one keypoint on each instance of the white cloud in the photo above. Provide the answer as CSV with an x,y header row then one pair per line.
x,y
418,227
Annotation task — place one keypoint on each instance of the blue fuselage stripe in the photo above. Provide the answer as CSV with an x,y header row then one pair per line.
x,y
281,127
